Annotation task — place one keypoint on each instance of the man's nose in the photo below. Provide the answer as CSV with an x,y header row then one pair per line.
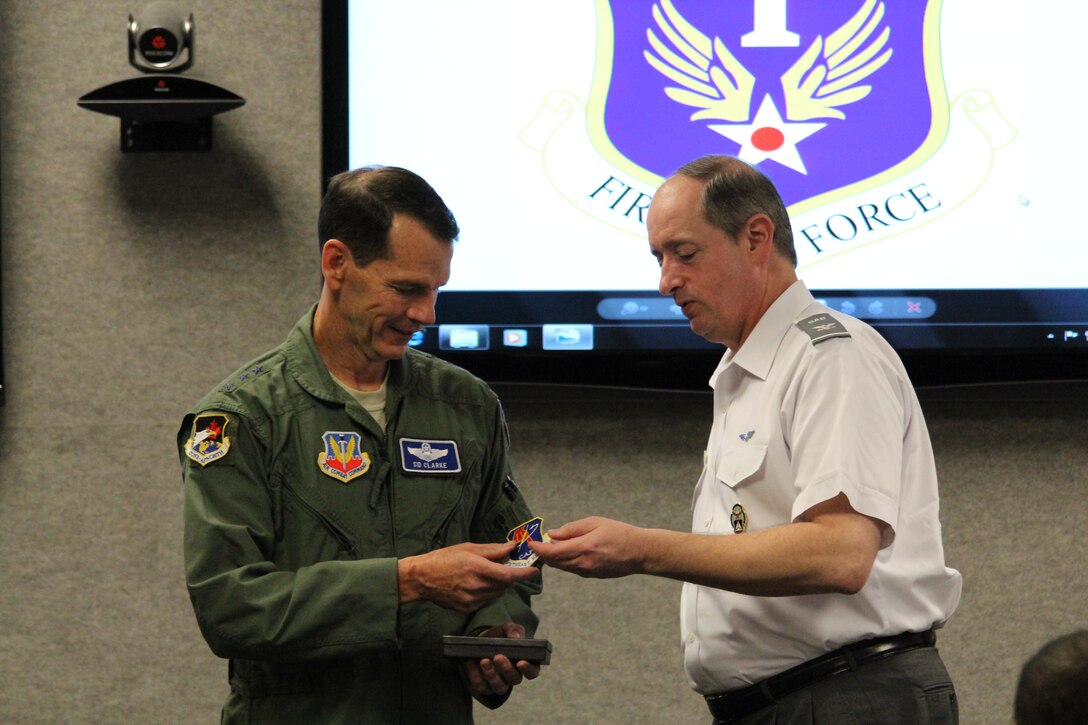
x,y
422,311
669,280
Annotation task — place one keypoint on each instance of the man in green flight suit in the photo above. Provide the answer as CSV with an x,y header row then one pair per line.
x,y
344,493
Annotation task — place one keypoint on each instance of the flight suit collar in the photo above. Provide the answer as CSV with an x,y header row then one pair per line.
x,y
306,365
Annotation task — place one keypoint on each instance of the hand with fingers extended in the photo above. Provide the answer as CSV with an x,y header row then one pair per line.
x,y
593,547
462,577
497,675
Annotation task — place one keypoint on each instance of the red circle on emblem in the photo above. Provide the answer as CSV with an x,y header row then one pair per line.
x,y
767,138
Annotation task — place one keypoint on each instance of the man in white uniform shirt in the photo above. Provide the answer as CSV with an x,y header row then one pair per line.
x,y
814,572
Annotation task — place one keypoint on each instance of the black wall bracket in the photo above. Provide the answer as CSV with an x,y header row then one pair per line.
x,y
162,112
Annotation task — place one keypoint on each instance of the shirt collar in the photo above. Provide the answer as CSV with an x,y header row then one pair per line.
x,y
757,353
306,365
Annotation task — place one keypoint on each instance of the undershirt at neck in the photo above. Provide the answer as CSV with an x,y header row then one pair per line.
x,y
372,401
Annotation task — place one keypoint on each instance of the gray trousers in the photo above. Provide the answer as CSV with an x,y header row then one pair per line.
x,y
911,688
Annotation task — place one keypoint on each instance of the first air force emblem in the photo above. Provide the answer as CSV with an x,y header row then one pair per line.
x,y
824,95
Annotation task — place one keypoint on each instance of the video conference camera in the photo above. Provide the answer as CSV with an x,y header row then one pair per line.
x,y
160,40
162,110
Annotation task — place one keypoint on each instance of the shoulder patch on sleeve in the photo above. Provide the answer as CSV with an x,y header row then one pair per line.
x,y
209,440
822,327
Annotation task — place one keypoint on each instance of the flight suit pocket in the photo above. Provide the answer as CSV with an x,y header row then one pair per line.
x,y
252,678
740,463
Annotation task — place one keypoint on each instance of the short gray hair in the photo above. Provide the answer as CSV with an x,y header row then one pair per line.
x,y
733,191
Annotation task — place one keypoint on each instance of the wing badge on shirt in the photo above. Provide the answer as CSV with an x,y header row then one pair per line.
x,y
209,441
342,458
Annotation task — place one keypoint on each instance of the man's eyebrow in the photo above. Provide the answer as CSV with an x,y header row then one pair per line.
x,y
409,283
672,244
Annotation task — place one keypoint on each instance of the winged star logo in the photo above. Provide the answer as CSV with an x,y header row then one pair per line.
x,y
823,96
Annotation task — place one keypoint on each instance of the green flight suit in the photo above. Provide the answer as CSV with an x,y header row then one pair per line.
x,y
292,536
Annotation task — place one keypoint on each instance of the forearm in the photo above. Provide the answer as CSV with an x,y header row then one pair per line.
x,y
330,609
834,555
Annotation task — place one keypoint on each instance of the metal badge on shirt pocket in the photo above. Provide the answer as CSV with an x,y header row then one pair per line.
x,y
419,455
342,458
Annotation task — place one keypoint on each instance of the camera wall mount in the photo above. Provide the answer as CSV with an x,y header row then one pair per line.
x,y
162,111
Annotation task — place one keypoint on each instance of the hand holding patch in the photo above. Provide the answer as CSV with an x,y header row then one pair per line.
x,y
531,530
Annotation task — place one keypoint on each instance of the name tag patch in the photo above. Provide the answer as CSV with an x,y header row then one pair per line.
x,y
429,456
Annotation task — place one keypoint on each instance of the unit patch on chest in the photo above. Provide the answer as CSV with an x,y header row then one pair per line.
x,y
418,455
342,458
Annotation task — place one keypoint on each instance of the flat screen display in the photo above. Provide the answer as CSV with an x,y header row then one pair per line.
x,y
930,155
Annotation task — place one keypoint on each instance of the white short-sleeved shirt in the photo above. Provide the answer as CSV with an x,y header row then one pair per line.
x,y
798,420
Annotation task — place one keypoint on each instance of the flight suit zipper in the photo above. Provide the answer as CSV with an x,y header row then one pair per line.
x,y
346,542
385,479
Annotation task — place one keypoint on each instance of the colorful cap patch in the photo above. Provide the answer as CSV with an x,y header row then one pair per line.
x,y
209,441
342,458
523,556
429,456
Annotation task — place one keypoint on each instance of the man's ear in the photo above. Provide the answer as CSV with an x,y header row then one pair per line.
x,y
759,233
335,258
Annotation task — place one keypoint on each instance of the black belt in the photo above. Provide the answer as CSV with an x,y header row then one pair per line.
x,y
732,706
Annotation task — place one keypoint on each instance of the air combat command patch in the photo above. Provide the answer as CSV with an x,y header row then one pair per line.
x,y
209,441
342,458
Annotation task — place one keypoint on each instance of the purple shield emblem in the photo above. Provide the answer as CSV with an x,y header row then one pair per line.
x,y
824,97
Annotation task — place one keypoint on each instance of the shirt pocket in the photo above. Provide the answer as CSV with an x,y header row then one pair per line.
x,y
740,464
